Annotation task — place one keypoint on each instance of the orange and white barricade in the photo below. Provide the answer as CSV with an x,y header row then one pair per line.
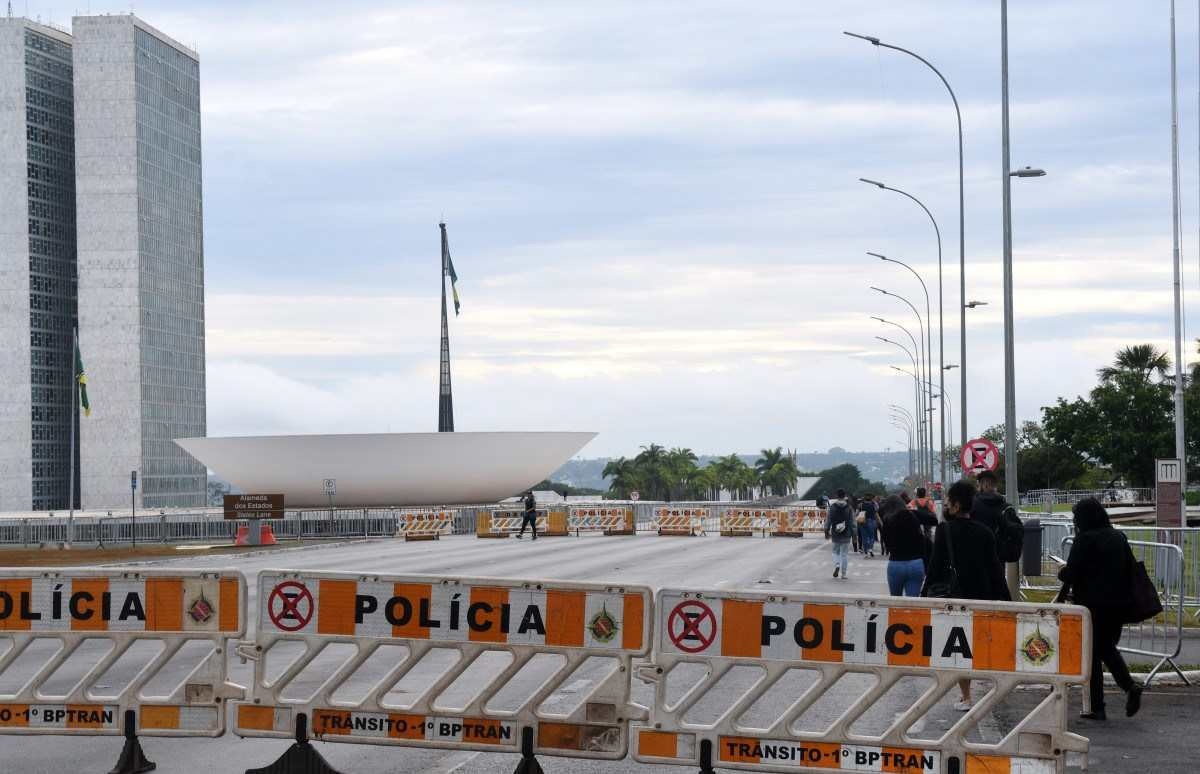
x,y
744,522
798,522
610,521
501,524
680,521
577,710
890,666
425,525
126,609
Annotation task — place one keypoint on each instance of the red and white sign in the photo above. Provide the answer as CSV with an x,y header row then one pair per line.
x,y
979,455
692,626
635,495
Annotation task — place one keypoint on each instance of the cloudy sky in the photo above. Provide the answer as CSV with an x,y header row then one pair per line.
x,y
654,209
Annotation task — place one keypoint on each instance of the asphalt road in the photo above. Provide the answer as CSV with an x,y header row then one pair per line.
x,y
747,563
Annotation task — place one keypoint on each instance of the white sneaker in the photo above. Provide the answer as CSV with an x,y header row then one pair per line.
x,y
962,706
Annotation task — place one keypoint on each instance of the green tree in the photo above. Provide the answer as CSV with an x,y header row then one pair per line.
x,y
1042,463
623,477
848,477
678,473
1125,422
777,471
651,464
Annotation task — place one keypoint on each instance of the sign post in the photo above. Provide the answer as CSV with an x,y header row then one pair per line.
x,y
979,455
133,505
1168,500
329,487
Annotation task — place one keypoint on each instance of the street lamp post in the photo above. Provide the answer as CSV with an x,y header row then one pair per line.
x,y
928,349
1011,490
916,366
916,392
916,347
901,414
962,229
941,309
921,328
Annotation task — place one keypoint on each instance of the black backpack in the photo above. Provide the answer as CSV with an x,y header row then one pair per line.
x,y
1010,535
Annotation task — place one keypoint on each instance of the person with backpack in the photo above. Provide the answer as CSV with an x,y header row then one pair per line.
x,y
905,542
993,511
839,527
1099,573
530,518
868,525
964,564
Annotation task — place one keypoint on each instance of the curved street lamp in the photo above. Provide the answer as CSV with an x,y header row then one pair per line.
x,y
928,347
916,391
922,407
921,329
941,307
962,227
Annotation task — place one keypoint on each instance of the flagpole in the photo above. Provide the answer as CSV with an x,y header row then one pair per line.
x,y
445,395
74,414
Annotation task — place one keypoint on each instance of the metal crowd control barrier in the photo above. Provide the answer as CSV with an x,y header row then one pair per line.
x,y
425,525
81,637
744,522
501,524
885,642
679,521
610,521
798,522
521,652
1160,637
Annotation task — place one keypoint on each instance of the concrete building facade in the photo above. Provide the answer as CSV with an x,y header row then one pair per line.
x,y
141,261
37,265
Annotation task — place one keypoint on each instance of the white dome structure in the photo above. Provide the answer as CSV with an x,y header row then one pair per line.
x,y
385,469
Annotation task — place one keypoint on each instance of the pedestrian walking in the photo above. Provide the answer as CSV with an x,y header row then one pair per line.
x,y
906,548
964,564
868,527
852,501
530,518
989,504
1099,576
839,527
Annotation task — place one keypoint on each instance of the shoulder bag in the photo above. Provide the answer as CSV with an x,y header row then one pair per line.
x,y
947,589
1145,603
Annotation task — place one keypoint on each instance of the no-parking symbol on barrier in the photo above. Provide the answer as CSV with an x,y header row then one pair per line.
x,y
290,606
692,626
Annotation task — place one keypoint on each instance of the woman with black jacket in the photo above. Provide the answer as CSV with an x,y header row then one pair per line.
x,y
1099,571
964,558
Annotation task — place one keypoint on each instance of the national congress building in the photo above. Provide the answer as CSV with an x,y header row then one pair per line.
x,y
101,229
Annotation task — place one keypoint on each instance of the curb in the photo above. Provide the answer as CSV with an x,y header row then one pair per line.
x,y
1165,677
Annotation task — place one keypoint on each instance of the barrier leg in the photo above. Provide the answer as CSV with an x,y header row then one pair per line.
x,y
528,764
300,758
706,766
132,760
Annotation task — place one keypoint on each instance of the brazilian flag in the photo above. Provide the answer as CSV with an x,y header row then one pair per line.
x,y
453,281
81,378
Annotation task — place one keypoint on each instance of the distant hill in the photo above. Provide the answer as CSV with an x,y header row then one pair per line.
x,y
889,467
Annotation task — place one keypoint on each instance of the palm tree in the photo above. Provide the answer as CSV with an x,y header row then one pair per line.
x,y
1140,360
767,467
651,462
679,469
624,477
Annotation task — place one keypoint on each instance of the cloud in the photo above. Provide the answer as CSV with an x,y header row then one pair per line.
x,y
655,210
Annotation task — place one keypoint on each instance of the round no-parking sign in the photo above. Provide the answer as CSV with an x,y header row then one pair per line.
x,y
692,627
979,455
290,606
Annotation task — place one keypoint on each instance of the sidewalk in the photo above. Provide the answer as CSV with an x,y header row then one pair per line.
x,y
1161,739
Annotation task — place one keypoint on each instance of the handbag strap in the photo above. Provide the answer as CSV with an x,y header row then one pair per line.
x,y
950,548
